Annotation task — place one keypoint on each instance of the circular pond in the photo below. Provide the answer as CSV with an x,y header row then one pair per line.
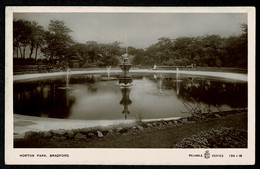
x,y
152,96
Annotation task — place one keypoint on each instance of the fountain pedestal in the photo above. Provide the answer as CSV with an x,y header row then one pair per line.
x,y
125,83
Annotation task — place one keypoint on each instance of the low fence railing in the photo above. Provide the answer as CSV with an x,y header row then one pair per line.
x,y
171,67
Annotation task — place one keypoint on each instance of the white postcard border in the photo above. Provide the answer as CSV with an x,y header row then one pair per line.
x,y
130,156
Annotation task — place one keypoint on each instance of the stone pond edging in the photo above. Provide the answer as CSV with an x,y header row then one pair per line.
x,y
100,132
235,76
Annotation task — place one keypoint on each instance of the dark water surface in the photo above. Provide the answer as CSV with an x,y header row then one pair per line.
x,y
93,97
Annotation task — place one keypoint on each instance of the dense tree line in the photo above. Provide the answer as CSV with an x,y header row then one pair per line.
x,y
57,44
210,50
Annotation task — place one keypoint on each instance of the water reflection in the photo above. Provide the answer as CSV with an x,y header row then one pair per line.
x,y
214,93
165,83
207,94
43,100
156,96
125,100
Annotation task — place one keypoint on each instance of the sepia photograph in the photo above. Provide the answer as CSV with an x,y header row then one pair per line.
x,y
129,82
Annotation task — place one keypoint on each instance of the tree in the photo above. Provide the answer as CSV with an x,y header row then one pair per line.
x,y
237,48
92,48
36,38
165,49
39,39
111,52
212,46
243,46
57,40
79,50
21,35
187,50
138,55
16,34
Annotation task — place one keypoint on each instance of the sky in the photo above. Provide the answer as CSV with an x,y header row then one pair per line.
x,y
141,30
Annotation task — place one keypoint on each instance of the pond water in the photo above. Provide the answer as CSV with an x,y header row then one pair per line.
x,y
152,96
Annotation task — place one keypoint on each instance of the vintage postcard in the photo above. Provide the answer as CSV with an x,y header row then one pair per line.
x,y
130,85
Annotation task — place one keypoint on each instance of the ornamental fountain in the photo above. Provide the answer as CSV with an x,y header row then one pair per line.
x,y
125,80
125,83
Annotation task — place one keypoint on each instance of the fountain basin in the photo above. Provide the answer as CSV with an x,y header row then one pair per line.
x,y
38,76
100,100
125,67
